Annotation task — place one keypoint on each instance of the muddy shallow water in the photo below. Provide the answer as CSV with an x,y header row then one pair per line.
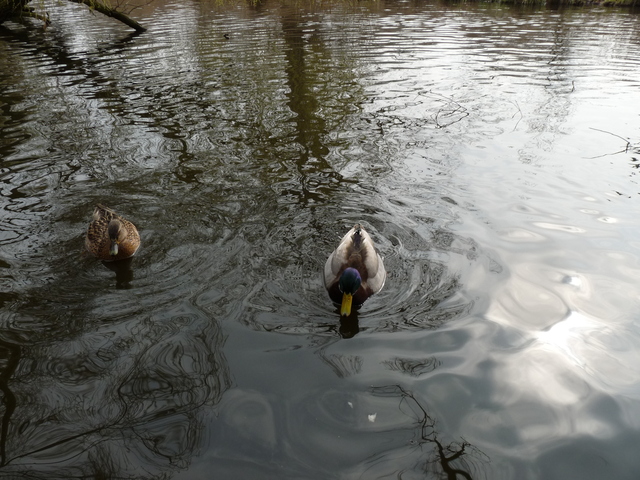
x,y
492,154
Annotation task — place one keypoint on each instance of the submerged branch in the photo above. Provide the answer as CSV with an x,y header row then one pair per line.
x,y
112,12
615,135
628,147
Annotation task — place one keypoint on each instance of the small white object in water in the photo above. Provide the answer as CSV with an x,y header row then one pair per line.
x,y
372,417
573,280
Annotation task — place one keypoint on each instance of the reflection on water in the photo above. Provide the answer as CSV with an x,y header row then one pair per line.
x,y
123,272
141,383
456,459
480,146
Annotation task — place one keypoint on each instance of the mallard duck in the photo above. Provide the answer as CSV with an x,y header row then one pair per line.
x,y
354,271
111,237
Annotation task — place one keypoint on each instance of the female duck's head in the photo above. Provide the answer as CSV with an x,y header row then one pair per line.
x,y
350,281
117,235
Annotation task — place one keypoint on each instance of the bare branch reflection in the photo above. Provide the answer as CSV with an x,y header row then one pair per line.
x,y
450,461
143,383
343,365
412,366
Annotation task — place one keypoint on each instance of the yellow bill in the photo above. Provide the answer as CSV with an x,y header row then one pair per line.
x,y
345,309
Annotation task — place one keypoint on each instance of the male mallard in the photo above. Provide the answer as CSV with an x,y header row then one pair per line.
x,y
111,237
354,271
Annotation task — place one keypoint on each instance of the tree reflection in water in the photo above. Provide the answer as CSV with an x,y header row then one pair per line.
x,y
123,400
10,357
450,461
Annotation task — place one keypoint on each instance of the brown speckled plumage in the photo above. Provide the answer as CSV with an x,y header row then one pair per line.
x,y
109,231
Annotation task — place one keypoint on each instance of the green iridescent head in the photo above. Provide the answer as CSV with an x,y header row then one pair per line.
x,y
350,281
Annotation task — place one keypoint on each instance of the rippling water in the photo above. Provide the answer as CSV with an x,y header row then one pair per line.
x,y
492,154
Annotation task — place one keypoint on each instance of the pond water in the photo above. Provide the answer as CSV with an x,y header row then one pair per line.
x,y
491,152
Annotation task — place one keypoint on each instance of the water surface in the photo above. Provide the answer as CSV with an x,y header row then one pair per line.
x,y
492,154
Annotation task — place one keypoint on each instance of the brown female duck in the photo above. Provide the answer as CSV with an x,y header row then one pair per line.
x,y
111,237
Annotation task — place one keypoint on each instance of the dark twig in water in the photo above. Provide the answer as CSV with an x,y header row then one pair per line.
x,y
518,112
627,147
609,154
621,138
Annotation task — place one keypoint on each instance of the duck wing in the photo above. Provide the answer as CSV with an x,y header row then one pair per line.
x,y
371,267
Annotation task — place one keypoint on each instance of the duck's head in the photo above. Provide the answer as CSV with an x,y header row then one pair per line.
x,y
117,234
350,281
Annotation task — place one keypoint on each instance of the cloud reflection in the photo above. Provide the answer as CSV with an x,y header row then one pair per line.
x,y
603,352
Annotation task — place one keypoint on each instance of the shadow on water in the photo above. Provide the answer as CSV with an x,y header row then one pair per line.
x,y
349,325
123,272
